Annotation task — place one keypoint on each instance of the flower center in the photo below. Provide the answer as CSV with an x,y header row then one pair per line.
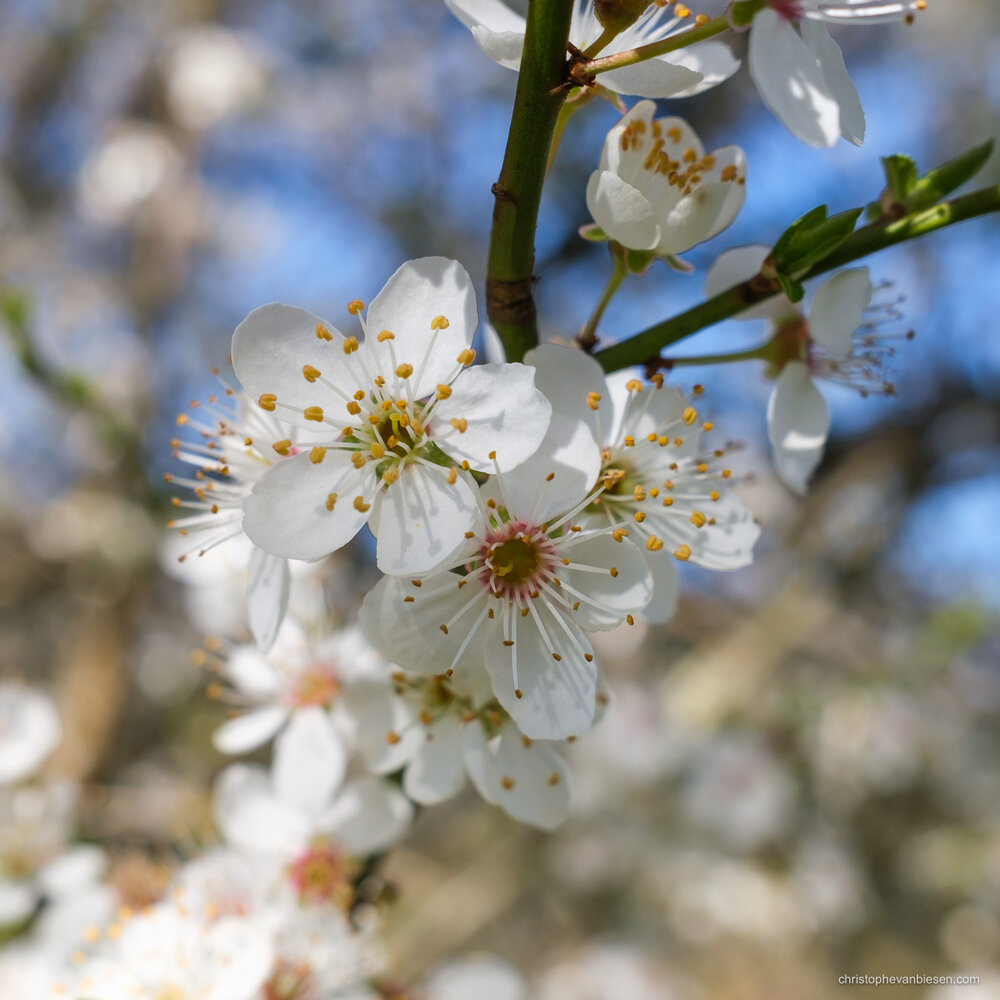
x,y
322,875
516,556
317,686
789,343
290,982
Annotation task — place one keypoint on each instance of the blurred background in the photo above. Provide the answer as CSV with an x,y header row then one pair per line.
x,y
813,788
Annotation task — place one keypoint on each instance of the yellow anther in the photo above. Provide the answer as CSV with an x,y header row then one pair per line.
x,y
492,456
657,380
443,391
359,394
466,357
390,475
378,451
392,441
690,415
283,447
714,495
452,476
654,544
440,323
698,519
633,385
707,425
267,401
317,454
697,389
313,413
404,370
593,400
619,533
310,373
638,494
654,492
444,628
392,737
506,783
361,506
353,407
350,345
683,553
357,460
322,333
728,173
726,473
639,516
674,133
331,501
613,571
668,501
385,335
629,441
460,424
355,306
701,467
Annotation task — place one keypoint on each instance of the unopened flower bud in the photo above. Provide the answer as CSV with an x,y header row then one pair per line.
x,y
617,15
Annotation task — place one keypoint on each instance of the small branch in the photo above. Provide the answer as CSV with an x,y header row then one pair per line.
x,y
540,94
645,347
629,57
588,336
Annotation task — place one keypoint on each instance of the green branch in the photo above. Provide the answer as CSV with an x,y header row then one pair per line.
x,y
518,191
645,347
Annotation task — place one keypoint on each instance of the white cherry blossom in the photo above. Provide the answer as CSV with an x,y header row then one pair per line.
x,y
29,730
851,11
516,599
660,487
440,733
403,410
483,977
237,443
656,188
499,32
836,341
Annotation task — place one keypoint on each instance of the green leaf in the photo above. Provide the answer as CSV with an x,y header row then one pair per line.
x,y
800,225
901,175
594,233
804,245
793,289
941,181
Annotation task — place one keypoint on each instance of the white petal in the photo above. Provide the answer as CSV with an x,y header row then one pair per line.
x,y
663,604
267,596
287,515
622,211
270,348
17,902
626,592
251,673
378,711
409,632
626,162
837,309
310,760
791,82
480,977
533,780
493,15
29,730
504,412
412,299
838,82
693,218
252,817
421,520
797,423
557,696
77,869
368,816
654,411
732,267
247,732
726,544
478,760
713,60
726,157
660,77
437,770
503,47
567,376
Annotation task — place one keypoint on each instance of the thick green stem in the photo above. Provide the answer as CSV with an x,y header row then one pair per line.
x,y
518,192
645,347
588,336
629,57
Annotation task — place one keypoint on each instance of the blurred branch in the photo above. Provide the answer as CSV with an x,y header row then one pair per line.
x,y
645,347
518,191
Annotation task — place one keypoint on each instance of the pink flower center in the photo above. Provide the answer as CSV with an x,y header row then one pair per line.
x,y
516,557
322,875
290,981
790,10
318,685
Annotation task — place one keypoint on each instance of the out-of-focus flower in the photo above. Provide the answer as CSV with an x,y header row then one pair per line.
x,y
499,32
403,411
209,72
608,972
656,188
135,163
658,483
533,580
293,693
847,11
29,730
836,341
484,977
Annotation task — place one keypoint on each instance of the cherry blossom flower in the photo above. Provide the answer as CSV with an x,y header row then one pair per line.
x,y
499,32
848,11
517,597
293,694
836,341
233,450
29,730
170,952
656,188
484,977
403,411
660,487
439,734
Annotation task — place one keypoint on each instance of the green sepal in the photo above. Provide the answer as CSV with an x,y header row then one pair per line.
x,y
742,12
901,174
639,261
594,233
794,290
676,263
